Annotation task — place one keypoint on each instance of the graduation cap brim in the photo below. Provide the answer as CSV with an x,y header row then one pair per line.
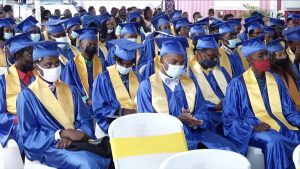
x,y
181,39
125,44
291,30
216,36
54,22
260,38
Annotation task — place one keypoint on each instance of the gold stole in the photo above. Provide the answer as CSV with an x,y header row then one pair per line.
x,y
257,102
137,56
2,58
173,30
82,70
13,88
139,39
204,85
63,59
225,62
291,56
159,97
157,63
46,34
62,108
292,88
103,48
125,100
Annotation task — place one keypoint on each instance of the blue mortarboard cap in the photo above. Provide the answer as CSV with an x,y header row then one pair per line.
x,y
197,29
235,21
53,17
105,17
226,27
133,15
176,14
27,24
6,22
206,41
253,25
258,16
87,33
203,21
125,49
89,19
275,46
43,49
292,34
216,23
129,28
293,16
276,22
73,21
269,30
18,42
180,23
252,45
160,20
55,26
172,45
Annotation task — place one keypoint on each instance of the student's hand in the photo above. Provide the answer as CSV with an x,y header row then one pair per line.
x,y
219,106
89,102
128,111
73,135
187,117
63,143
262,127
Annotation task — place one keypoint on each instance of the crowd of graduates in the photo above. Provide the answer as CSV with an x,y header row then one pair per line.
x,y
233,82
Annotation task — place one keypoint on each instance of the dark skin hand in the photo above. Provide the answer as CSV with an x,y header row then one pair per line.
x,y
219,106
89,102
74,135
128,111
187,117
63,143
262,127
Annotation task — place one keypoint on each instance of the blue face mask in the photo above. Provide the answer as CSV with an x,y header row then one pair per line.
x,y
209,63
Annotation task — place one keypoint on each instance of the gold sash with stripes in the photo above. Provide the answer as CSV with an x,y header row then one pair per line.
x,y
13,88
159,97
204,85
63,59
125,99
62,108
2,58
82,70
257,102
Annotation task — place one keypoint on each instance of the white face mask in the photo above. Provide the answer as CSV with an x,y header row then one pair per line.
x,y
51,75
198,19
62,39
132,39
35,37
74,35
110,30
232,43
6,35
123,70
173,71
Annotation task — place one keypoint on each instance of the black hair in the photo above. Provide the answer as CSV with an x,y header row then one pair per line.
x,y
146,10
228,16
2,33
254,13
211,10
91,8
7,8
44,15
195,13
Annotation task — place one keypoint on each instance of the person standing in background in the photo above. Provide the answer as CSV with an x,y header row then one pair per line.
x,y
169,5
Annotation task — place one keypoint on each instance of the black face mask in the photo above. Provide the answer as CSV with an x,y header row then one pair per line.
x,y
282,62
90,51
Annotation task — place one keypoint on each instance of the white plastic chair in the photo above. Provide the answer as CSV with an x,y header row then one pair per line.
x,y
99,132
206,159
145,125
256,157
10,157
3,70
35,165
296,157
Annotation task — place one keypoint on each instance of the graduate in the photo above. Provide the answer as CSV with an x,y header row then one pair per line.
x,y
281,65
17,78
269,33
292,20
115,90
211,79
236,22
293,38
258,110
246,34
181,27
29,24
7,25
57,116
83,69
107,27
278,26
168,92
73,24
231,57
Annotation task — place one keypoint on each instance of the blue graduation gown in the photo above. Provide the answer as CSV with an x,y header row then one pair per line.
x,y
236,64
177,101
214,117
8,129
105,102
239,121
38,128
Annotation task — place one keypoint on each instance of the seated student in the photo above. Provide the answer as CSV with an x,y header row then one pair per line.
x,y
17,78
115,90
168,92
29,24
83,69
281,65
181,27
293,38
231,57
258,110
254,23
211,78
57,116
73,24
292,20
7,25
278,26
